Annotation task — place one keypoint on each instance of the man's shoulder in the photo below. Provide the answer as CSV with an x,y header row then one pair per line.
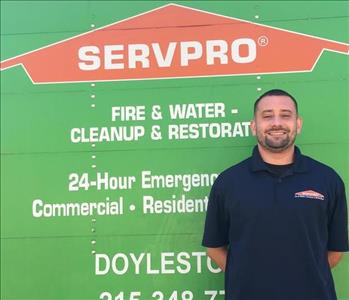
x,y
232,172
318,167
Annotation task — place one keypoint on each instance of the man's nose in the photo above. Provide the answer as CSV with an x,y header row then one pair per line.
x,y
276,121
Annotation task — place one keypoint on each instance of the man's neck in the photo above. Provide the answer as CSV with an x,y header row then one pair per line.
x,y
277,158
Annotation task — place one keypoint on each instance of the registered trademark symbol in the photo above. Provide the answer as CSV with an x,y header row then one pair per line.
x,y
263,41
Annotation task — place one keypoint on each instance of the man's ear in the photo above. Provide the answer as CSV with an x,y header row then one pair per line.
x,y
253,127
299,125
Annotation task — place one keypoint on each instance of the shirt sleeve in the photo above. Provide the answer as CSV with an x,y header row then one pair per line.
x,y
338,221
217,223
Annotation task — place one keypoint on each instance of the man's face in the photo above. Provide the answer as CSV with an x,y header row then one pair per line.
x,y
276,123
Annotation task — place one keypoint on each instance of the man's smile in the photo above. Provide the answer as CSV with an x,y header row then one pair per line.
x,y
277,133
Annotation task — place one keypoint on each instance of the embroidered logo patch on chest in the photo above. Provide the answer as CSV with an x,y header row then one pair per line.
x,y
309,194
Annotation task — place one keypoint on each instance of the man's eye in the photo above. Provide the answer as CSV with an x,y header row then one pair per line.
x,y
286,116
267,116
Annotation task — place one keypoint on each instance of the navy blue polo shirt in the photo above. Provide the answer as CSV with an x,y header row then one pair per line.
x,y
278,229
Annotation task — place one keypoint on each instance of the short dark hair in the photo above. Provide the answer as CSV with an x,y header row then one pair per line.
x,y
275,92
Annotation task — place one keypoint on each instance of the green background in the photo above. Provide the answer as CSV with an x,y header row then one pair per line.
x,y
52,258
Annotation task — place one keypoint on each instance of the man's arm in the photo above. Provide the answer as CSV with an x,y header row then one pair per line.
x,y
334,258
219,256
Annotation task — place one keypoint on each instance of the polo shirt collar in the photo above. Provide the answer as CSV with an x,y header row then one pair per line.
x,y
299,163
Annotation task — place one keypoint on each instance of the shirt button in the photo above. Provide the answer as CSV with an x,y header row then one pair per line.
x,y
279,180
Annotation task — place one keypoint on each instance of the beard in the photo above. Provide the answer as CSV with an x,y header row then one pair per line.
x,y
276,144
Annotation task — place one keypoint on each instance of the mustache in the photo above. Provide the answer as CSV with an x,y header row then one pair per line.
x,y
277,128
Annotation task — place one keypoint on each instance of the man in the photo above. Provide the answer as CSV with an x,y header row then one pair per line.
x,y
277,222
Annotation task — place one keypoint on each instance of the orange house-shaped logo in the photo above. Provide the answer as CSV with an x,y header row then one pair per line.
x,y
174,41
